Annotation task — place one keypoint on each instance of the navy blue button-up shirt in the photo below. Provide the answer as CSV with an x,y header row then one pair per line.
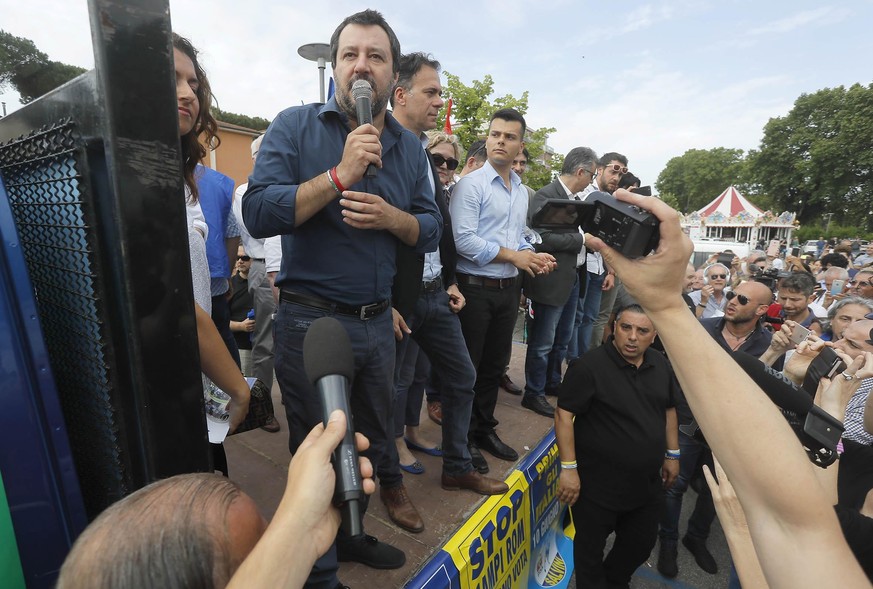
x,y
324,256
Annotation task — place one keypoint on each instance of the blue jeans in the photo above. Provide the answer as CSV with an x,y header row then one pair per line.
x,y
693,452
437,331
586,315
371,394
548,336
410,376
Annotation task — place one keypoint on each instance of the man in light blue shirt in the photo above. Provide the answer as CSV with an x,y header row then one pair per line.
x,y
489,212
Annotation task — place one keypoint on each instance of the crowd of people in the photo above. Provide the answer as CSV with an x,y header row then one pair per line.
x,y
422,249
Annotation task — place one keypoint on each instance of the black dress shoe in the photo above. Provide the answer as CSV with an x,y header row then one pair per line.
x,y
702,556
509,386
667,554
479,462
495,446
538,404
368,551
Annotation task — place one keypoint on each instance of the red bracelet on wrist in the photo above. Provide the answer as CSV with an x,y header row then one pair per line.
x,y
335,178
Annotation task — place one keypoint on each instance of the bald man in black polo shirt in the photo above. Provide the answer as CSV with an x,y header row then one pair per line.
x,y
625,441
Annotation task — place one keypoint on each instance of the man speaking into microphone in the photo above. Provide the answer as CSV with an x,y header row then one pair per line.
x,y
340,231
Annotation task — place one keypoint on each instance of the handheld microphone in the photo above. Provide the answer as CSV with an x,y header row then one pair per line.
x,y
330,366
362,93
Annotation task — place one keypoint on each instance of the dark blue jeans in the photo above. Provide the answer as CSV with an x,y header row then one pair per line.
x,y
438,333
693,453
371,392
410,377
548,337
586,315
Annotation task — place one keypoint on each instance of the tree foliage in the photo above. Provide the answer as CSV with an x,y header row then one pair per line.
x,y
818,159
472,108
696,177
31,73
256,123
29,70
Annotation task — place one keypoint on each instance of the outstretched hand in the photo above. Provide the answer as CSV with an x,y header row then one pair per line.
x,y
650,279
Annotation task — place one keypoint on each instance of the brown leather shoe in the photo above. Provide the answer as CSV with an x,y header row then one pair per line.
x,y
400,509
271,426
510,387
435,412
475,482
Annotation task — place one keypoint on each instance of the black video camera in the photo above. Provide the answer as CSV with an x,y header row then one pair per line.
x,y
623,227
768,277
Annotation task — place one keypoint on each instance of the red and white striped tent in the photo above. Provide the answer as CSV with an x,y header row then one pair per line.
x,y
730,203
731,216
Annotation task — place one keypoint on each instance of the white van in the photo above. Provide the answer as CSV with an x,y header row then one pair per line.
x,y
703,248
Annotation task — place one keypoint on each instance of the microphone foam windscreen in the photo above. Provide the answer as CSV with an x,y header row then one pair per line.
x,y
327,350
361,89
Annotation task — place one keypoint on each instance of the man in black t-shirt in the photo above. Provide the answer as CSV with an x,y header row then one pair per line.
x,y
620,452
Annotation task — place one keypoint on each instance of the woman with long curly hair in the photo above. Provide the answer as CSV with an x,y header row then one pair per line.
x,y
193,97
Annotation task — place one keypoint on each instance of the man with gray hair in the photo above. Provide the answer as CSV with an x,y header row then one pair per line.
x,y
554,296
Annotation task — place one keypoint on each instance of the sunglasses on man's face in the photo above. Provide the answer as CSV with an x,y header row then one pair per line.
x,y
616,168
743,299
243,258
717,276
438,160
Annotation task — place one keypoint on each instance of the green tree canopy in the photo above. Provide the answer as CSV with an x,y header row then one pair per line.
x,y
32,74
29,70
818,159
256,123
699,175
472,108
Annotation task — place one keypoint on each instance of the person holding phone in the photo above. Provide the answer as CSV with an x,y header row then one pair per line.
x,y
710,300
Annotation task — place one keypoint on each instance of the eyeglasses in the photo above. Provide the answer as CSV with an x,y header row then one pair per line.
x,y
243,258
593,174
718,277
438,160
743,299
616,168
862,283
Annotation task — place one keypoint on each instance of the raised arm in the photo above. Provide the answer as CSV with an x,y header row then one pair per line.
x,y
796,534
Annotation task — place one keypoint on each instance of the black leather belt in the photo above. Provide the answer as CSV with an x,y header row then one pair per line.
x,y
430,286
500,283
363,312
261,260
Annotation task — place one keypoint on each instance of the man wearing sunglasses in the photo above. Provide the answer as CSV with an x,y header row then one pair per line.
x,y
740,329
601,279
710,299
554,295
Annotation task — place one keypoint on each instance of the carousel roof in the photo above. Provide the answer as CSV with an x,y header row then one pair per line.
x,y
730,208
730,203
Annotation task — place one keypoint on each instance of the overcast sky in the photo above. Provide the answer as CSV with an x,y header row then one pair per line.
x,y
650,80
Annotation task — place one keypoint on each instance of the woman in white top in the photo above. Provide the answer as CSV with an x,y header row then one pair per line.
x,y
193,97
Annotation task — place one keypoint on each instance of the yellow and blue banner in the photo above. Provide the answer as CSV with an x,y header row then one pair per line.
x,y
512,541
